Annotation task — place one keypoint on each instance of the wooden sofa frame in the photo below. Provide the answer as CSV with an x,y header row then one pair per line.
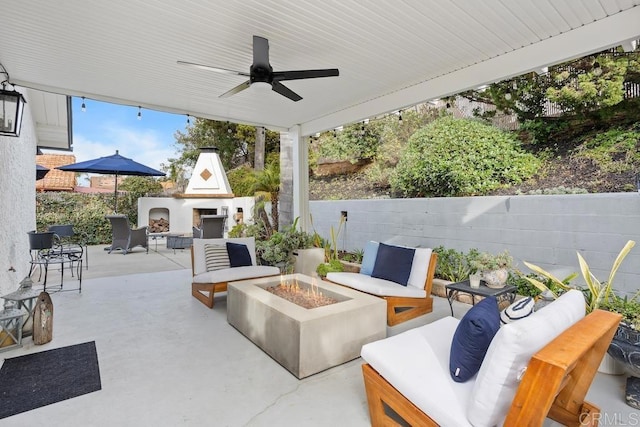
x,y
401,309
554,385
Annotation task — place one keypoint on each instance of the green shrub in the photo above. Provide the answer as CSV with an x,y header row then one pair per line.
x,y
453,265
460,157
352,143
328,267
86,212
615,150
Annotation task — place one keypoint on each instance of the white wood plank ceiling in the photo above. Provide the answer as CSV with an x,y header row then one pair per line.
x,y
391,54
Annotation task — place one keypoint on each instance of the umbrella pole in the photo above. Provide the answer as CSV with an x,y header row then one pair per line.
x,y
115,196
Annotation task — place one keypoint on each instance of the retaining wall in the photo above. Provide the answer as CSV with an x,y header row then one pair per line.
x,y
544,230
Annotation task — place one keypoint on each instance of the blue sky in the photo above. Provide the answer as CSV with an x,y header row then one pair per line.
x,y
104,128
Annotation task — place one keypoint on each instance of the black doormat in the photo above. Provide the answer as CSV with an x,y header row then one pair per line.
x,y
40,379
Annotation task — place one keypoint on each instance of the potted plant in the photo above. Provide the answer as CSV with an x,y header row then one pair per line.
x,y
494,268
601,295
278,249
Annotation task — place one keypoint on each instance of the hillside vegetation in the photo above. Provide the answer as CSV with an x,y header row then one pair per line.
x,y
431,154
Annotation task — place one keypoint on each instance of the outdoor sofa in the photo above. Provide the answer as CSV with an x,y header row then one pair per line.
x,y
211,271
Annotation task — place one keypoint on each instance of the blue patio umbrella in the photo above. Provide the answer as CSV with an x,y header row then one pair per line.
x,y
41,171
112,165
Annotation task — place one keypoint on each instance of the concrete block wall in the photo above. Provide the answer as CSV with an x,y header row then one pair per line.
x,y
543,230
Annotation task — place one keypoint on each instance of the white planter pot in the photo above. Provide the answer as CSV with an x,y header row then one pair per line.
x,y
307,260
610,366
495,278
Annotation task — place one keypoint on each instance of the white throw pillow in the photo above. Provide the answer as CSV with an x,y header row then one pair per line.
x,y
509,354
216,257
518,310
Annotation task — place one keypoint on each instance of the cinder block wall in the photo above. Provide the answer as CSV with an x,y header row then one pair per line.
x,y
544,230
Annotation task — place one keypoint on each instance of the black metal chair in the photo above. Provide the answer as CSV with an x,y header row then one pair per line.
x,y
42,249
73,246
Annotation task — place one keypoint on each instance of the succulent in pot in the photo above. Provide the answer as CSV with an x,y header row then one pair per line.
x,y
494,268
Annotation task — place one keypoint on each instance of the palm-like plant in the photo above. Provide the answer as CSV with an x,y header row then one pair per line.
x,y
268,181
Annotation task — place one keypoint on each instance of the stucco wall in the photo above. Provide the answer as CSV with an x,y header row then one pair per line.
x,y
544,230
181,210
17,202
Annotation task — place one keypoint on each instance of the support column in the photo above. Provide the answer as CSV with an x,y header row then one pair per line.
x,y
294,179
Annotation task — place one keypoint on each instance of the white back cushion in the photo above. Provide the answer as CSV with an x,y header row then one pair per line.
x,y
199,262
419,268
510,352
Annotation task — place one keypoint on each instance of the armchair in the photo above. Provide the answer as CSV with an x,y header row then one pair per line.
x,y
537,367
126,238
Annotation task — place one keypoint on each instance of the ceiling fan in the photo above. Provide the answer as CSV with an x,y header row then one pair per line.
x,y
262,73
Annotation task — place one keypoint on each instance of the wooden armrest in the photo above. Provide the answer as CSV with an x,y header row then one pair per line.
x,y
558,376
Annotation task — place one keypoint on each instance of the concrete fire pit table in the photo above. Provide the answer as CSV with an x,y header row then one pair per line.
x,y
306,341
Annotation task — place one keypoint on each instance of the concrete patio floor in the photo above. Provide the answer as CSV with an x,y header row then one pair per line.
x,y
165,359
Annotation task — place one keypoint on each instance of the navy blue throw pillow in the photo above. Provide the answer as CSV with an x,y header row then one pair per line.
x,y
393,263
238,255
472,338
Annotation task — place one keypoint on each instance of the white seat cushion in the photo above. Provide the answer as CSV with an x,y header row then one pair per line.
x,y
416,363
235,273
375,286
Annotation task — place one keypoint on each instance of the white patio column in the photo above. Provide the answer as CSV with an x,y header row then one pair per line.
x,y
294,178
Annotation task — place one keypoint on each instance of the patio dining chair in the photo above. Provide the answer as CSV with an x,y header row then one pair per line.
x,y
71,244
124,237
212,226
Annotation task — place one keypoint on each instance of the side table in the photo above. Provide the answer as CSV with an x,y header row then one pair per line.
x,y
453,289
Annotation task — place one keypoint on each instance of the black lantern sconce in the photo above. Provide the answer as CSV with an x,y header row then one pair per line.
x,y
11,108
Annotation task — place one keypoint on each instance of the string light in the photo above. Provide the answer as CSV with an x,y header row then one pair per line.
x,y
400,116
507,96
139,112
188,121
335,133
83,107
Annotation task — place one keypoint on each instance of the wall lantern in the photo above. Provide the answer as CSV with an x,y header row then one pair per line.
x,y
11,107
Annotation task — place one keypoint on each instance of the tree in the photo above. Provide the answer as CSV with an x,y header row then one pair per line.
x,y
235,144
268,181
577,87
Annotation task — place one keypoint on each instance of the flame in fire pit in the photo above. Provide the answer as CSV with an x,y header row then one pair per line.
x,y
307,297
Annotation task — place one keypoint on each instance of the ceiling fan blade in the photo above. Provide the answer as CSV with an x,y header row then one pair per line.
x,y
283,90
260,52
216,69
236,89
305,74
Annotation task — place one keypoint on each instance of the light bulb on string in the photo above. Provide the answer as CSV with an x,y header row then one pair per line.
x,y
507,96
139,112
83,108
188,120
400,116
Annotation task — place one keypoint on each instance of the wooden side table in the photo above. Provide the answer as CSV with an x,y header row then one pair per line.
x,y
453,289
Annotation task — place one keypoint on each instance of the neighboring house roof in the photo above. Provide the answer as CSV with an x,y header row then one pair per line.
x,y
56,180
